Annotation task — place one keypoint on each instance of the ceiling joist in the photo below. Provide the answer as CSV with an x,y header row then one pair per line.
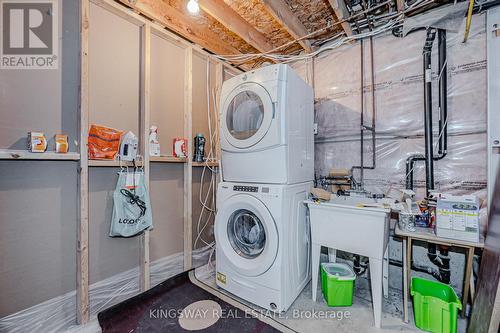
x,y
229,18
342,13
284,15
400,4
182,24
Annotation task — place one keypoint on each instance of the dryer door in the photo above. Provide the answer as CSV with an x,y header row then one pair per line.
x,y
247,114
247,234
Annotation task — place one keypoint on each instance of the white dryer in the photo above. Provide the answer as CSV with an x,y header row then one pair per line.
x,y
266,124
263,242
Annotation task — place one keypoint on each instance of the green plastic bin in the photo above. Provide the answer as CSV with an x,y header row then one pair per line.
x,y
337,284
435,306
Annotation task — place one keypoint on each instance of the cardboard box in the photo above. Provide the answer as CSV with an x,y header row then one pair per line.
x,y
457,217
37,142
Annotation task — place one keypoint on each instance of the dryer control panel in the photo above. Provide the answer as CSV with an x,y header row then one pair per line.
x,y
240,188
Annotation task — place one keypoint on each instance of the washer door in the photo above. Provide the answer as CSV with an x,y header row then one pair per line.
x,y
247,234
247,115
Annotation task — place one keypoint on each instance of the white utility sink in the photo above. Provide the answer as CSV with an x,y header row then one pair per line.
x,y
341,224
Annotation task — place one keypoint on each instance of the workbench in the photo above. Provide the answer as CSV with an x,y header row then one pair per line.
x,y
428,235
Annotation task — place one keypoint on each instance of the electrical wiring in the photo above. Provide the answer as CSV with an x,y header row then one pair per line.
x,y
393,21
208,209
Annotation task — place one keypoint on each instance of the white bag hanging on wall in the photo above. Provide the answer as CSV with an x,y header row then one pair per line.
x,y
131,206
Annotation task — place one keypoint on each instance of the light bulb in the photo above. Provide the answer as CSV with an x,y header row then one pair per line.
x,y
193,7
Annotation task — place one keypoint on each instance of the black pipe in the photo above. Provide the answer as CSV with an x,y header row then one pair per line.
x,y
429,153
362,166
442,262
444,269
358,267
410,165
443,111
363,127
418,268
443,96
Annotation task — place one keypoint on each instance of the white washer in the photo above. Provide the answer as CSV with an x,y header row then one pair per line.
x,y
266,124
263,242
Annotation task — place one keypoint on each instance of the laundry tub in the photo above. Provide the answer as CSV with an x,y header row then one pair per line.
x,y
345,224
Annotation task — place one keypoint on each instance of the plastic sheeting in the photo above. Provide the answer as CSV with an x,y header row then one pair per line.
x,y
399,110
446,17
59,314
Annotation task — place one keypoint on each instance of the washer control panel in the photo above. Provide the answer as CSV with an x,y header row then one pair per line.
x,y
239,188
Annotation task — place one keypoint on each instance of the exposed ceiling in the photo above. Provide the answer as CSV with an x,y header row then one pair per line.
x,y
233,27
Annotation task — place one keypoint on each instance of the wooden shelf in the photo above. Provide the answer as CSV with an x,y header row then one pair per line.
x,y
208,164
10,154
167,159
111,163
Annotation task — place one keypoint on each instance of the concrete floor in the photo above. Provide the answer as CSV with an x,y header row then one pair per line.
x,y
360,313
359,320
91,327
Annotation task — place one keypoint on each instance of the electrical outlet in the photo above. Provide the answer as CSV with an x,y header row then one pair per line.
x,y
315,129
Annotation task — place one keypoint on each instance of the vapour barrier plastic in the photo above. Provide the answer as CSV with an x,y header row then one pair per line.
x,y
399,103
59,314
447,17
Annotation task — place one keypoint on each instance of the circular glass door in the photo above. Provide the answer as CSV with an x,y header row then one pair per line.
x,y
244,115
248,112
246,233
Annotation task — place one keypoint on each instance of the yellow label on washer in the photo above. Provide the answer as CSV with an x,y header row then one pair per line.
x,y
221,278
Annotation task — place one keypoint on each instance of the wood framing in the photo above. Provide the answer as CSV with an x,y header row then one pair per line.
x,y
229,18
181,23
342,13
188,171
117,9
400,4
145,123
11,154
284,15
82,251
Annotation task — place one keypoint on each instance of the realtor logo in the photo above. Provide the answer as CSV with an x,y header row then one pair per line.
x,y
29,38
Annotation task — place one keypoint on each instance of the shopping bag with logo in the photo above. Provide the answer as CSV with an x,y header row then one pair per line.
x,y
132,208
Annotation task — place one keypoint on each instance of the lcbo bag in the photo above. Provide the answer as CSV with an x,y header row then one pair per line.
x,y
131,209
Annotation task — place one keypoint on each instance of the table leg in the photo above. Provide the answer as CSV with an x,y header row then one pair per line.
x,y
376,278
405,283
468,274
332,255
472,289
408,274
315,256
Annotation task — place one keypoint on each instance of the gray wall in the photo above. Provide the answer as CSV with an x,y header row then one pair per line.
x,y
38,199
44,100
167,200
37,232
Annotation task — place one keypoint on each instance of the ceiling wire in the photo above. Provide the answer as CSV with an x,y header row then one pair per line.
x,y
393,21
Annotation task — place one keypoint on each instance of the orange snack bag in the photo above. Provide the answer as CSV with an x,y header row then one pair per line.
x,y
104,142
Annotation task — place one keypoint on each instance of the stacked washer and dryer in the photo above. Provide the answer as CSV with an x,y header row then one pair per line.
x,y
261,229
